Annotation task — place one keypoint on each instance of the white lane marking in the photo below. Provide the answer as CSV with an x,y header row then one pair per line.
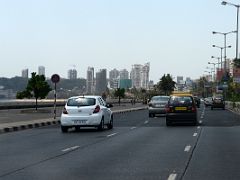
x,y
198,127
187,148
145,122
133,128
70,149
200,122
195,134
172,177
110,135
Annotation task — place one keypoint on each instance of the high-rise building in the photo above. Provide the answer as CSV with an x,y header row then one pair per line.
x,y
41,70
90,80
123,74
145,76
136,75
25,73
101,81
140,75
179,79
114,78
72,74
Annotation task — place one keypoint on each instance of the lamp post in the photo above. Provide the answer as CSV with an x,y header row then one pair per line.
x,y
221,51
214,69
225,42
237,6
218,58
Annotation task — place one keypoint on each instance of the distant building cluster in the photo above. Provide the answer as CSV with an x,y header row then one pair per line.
x,y
184,84
97,82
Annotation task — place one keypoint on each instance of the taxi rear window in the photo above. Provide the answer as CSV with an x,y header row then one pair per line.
x,y
81,102
181,100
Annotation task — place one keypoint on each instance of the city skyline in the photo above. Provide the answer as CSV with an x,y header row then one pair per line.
x,y
175,37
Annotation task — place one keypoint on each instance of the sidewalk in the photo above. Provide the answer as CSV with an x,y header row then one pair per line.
x,y
15,120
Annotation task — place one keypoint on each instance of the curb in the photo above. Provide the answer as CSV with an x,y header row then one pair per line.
x,y
47,122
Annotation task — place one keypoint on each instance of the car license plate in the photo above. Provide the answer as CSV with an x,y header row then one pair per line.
x,y
79,122
180,108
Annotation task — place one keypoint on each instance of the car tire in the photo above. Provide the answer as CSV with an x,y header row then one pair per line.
x,y
211,108
101,125
64,129
150,115
110,125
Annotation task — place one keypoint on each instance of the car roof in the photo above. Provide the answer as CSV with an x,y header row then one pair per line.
x,y
181,94
83,96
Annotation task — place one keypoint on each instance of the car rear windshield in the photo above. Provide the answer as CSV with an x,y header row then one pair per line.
x,y
181,100
160,98
81,102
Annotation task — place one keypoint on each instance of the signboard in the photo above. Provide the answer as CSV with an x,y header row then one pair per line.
x,y
55,78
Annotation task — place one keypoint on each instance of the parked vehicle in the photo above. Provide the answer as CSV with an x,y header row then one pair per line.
x,y
181,108
197,101
157,105
86,111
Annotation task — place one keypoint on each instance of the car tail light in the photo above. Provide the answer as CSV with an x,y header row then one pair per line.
x,y
64,111
97,109
194,109
168,109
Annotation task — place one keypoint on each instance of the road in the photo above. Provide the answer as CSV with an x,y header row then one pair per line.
x,y
138,147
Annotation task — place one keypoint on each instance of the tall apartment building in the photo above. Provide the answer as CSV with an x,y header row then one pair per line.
x,y
179,79
41,70
25,73
101,81
123,74
140,75
90,80
72,74
145,76
114,78
136,75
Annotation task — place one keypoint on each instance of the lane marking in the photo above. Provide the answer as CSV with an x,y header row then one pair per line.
x,y
200,122
145,122
70,149
110,135
172,177
187,148
195,134
133,128
198,127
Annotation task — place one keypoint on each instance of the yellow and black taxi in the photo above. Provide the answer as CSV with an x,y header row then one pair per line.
x,y
181,108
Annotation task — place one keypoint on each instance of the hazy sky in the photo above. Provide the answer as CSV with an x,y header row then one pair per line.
x,y
174,36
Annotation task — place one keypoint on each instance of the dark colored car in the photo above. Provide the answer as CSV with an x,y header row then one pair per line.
x,y
218,102
197,101
181,109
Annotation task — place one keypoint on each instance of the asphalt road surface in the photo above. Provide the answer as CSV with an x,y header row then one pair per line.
x,y
138,147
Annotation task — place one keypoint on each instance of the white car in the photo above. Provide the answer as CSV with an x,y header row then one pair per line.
x,y
86,111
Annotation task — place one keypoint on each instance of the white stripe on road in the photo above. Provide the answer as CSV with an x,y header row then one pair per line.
x,y
198,127
110,135
187,148
70,149
145,122
200,122
133,128
195,134
172,177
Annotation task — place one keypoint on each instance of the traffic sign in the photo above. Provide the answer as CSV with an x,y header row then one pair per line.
x,y
55,78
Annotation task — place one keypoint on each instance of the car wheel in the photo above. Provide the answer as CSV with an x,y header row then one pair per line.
x,y
101,125
223,108
211,108
64,129
110,125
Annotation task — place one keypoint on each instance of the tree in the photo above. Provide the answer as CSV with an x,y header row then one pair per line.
x,y
37,87
236,63
120,93
166,84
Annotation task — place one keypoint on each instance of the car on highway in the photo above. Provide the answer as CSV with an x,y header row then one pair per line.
x,y
208,101
157,105
86,111
181,108
218,102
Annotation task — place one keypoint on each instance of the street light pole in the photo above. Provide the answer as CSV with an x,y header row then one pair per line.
x,y
221,51
218,58
237,6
